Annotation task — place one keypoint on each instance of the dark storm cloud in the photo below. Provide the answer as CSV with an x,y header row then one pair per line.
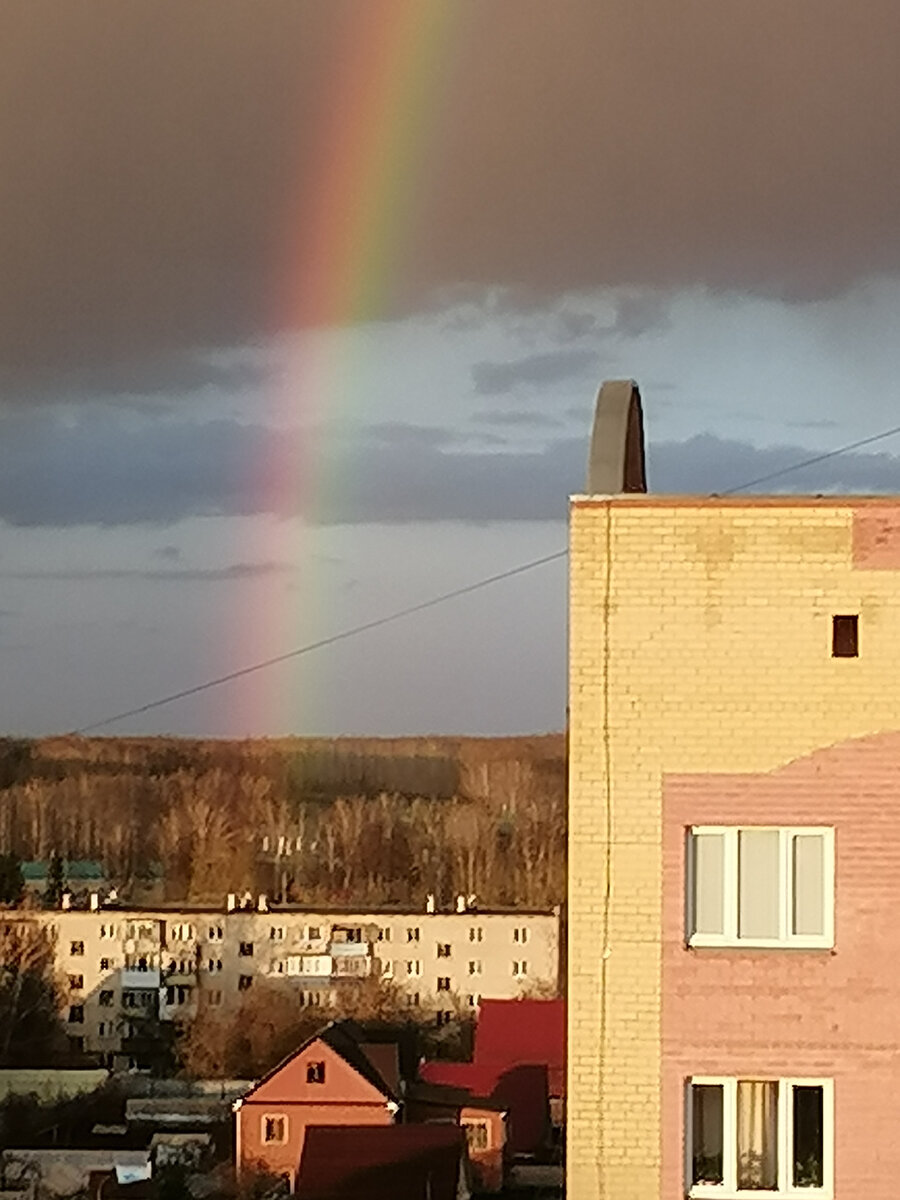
x,y
157,375
112,473
159,163
535,370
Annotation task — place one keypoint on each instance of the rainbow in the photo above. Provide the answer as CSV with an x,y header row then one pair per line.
x,y
349,236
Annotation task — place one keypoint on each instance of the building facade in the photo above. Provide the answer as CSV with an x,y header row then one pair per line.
x,y
734,847
122,970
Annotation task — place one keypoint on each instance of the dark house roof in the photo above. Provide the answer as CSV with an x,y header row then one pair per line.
x,y
381,1162
343,1038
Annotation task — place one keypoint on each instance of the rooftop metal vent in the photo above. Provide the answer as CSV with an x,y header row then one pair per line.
x,y
616,461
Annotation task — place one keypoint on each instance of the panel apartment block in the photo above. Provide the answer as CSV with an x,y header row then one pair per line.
x,y
117,965
712,689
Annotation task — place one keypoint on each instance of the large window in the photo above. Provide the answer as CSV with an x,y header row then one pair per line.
x,y
765,1137
760,886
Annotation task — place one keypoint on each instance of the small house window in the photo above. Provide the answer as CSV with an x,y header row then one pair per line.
x,y
107,999
215,998
845,637
315,1072
412,1000
274,1129
414,967
475,966
443,950
105,964
245,950
443,983
276,933
477,1135
76,983
521,934
314,933
76,1014
520,968
76,948
245,982
476,933
412,934
215,933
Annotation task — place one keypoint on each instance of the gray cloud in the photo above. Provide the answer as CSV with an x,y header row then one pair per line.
x,y
150,205
514,418
535,370
641,312
234,571
110,473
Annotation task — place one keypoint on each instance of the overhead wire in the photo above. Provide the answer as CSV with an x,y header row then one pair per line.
x,y
341,636
443,598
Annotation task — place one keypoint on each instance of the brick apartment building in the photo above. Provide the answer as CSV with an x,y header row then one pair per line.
x,y
734,856
120,966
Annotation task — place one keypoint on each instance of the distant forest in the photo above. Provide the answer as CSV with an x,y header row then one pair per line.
x,y
358,821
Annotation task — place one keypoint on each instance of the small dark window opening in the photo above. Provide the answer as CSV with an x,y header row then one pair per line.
x,y
845,637
315,1072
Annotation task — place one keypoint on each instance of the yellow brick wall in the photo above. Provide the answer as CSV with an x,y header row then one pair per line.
x,y
700,641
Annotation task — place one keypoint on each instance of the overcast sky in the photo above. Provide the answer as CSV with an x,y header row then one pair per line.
x,y
197,472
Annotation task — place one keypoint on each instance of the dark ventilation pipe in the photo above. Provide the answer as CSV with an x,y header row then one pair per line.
x,y
616,461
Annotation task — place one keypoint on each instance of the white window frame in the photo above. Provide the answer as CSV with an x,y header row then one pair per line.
x,y
282,1141
785,939
414,966
728,1189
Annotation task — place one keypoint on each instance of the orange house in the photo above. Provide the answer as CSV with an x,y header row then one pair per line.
x,y
327,1081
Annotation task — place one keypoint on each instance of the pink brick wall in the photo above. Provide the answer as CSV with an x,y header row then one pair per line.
x,y
832,1013
876,537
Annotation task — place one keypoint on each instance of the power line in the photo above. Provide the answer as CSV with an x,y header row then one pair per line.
x,y
342,636
809,462
443,598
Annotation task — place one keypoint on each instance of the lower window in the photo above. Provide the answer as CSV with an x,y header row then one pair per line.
x,y
759,1136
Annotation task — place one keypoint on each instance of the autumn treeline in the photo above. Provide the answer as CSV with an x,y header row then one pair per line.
x,y
359,822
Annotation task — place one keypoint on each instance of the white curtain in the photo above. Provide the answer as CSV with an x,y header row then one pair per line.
x,y
757,1134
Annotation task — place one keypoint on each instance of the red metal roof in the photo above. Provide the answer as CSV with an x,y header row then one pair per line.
x,y
381,1162
517,1032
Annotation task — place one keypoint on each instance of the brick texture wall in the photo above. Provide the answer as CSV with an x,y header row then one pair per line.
x,y
700,643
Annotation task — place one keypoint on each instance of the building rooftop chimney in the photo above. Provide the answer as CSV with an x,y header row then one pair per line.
x,y
616,460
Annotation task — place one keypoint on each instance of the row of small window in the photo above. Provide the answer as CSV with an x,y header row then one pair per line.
x,y
520,935
414,1000
770,1136
414,967
277,933
760,886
